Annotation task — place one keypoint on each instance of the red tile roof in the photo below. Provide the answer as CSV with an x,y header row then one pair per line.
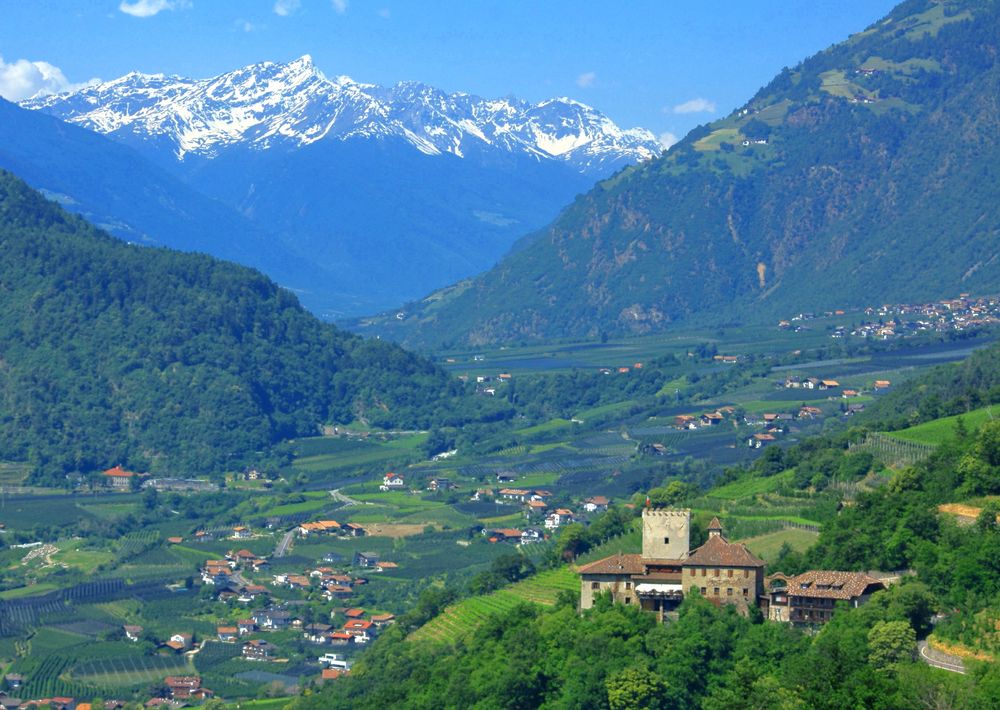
x,y
831,585
719,552
616,564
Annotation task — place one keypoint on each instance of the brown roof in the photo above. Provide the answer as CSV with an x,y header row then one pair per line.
x,y
831,585
719,552
715,524
616,564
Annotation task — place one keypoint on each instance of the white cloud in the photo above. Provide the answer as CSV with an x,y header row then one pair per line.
x,y
284,8
698,105
586,80
148,8
385,13
340,6
246,25
23,79
667,139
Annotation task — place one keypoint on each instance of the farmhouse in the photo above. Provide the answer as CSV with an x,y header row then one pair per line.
x,y
392,482
118,478
810,598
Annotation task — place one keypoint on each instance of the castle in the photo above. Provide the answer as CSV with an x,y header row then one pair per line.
x,y
724,572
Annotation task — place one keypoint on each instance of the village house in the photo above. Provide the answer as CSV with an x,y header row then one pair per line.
x,y
516,494
353,529
320,527
132,632
811,597
186,687
271,619
441,484
392,482
828,384
118,478
758,440
503,535
596,504
558,518
365,560
179,642
258,650
532,535
227,634
536,507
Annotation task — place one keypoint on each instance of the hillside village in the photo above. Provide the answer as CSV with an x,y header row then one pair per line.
x,y
904,320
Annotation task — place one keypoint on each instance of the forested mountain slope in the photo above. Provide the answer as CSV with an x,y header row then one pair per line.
x,y
111,353
866,174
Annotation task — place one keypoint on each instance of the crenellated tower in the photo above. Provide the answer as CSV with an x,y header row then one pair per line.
x,y
666,534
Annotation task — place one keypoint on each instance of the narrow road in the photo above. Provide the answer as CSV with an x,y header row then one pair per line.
x,y
341,498
283,544
938,659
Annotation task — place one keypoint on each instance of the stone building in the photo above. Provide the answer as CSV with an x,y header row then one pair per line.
x,y
724,572
657,579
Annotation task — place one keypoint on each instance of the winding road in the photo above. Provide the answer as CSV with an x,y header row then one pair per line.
x,y
938,659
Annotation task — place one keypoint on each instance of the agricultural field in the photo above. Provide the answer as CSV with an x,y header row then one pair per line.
x,y
939,431
464,617
768,545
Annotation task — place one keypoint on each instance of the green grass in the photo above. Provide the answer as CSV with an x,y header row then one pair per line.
x,y
261,704
714,140
749,487
19,592
767,546
551,425
461,619
306,506
941,430
603,409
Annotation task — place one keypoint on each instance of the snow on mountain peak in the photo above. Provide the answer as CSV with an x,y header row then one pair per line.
x,y
266,104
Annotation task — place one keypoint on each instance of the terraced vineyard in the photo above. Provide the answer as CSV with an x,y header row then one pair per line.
x,y
464,617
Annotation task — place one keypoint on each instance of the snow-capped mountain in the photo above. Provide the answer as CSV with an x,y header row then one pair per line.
x,y
270,105
387,193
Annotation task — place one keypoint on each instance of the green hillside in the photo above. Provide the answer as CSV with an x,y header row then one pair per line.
x,y
863,175
464,617
171,362
938,431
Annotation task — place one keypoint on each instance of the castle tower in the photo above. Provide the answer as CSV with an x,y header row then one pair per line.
x,y
666,534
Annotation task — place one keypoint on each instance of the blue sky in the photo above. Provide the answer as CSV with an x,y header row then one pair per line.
x,y
667,66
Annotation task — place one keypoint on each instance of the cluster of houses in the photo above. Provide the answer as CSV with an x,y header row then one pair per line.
x,y
487,385
621,370
908,319
330,527
358,627
658,578
705,420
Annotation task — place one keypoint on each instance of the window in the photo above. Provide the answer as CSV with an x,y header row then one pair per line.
x,y
746,573
704,571
628,600
628,585
746,592
729,591
730,573
718,573
693,571
595,585
704,591
715,591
